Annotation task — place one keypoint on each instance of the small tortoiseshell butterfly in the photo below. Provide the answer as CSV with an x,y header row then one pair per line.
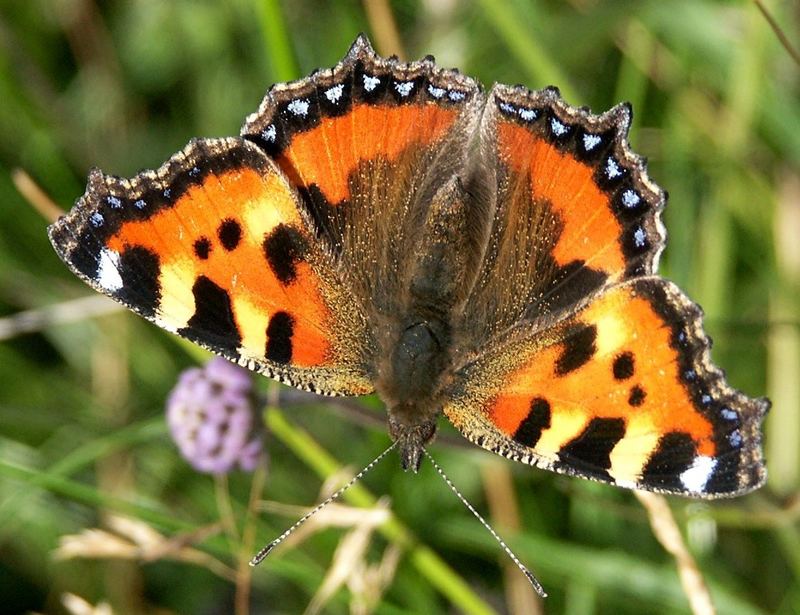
x,y
391,227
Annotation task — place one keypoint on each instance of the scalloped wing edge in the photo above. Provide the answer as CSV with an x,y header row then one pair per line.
x,y
619,119
361,50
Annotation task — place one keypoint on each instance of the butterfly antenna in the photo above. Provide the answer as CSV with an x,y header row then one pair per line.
x,y
261,555
528,574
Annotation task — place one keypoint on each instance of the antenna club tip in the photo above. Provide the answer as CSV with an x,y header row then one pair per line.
x,y
536,585
261,555
528,574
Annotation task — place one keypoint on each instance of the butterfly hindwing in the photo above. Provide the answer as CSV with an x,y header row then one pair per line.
x,y
216,246
622,391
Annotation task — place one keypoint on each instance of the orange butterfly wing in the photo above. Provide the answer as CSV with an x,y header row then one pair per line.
x,y
622,391
215,246
574,210
367,143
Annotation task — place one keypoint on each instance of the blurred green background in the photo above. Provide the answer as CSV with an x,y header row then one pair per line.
x,y
123,85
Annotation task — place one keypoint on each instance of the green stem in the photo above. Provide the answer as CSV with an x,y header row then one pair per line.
x,y
244,572
276,39
81,457
91,496
225,509
522,44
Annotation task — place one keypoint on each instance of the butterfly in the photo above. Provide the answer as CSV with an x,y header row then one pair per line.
x,y
489,255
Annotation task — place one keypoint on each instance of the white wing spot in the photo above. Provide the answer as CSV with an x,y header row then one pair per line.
x,y
639,237
96,219
591,141
436,92
506,107
612,168
558,128
108,270
269,133
630,198
728,414
334,94
527,114
696,477
370,82
298,107
140,204
114,202
735,438
404,88
456,96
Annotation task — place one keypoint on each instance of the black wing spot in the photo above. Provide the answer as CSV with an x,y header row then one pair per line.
x,y
212,323
623,366
590,452
727,475
279,337
531,427
230,234
674,455
284,248
202,248
637,395
85,256
577,349
571,283
139,269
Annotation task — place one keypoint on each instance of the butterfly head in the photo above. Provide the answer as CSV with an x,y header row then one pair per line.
x,y
411,435
408,383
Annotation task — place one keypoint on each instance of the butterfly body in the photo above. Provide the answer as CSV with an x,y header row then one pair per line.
x,y
418,358
489,256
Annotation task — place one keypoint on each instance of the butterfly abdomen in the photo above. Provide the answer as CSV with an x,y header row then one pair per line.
x,y
409,378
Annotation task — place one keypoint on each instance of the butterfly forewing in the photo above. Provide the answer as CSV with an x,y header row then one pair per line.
x,y
367,143
574,209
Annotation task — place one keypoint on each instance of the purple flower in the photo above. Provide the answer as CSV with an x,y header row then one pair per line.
x,y
212,418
